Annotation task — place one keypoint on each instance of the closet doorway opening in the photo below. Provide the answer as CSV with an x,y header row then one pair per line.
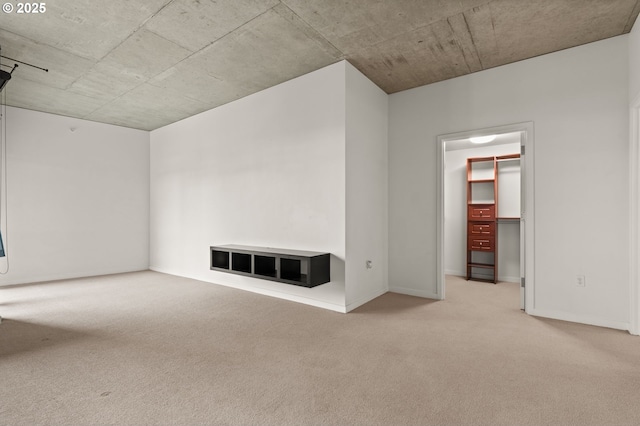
x,y
485,208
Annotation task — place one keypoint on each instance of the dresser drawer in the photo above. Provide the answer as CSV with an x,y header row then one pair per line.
x,y
484,229
482,212
481,243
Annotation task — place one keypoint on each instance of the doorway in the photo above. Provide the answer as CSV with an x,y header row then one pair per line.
x,y
516,226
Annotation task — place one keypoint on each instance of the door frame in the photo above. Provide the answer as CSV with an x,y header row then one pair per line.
x,y
527,207
634,216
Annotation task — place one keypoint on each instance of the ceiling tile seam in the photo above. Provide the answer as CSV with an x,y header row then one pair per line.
x,y
227,34
429,26
493,26
219,39
148,80
121,42
238,27
212,42
315,30
134,88
174,42
109,101
632,18
138,28
113,100
46,109
464,56
475,47
153,15
84,74
182,94
412,30
93,67
50,46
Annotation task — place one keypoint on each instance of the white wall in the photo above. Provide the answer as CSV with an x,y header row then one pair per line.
x,y
634,158
266,170
78,198
366,189
455,214
578,101
634,62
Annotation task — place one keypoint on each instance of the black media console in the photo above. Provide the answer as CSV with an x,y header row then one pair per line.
x,y
303,268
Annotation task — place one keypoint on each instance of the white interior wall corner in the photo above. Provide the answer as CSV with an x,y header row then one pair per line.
x,y
366,189
634,186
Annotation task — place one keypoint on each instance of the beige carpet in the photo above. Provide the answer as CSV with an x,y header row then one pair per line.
x,y
147,348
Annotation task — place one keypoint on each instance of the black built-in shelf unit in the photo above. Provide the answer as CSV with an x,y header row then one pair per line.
x,y
303,268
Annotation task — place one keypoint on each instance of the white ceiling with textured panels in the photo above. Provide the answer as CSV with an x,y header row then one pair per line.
x,y
146,64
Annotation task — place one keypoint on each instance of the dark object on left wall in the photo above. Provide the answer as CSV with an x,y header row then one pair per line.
x,y
4,78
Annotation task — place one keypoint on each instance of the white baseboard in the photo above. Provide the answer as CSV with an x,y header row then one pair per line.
x,y
72,276
413,292
564,316
509,279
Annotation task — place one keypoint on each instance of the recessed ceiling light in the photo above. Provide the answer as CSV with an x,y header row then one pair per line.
x,y
482,139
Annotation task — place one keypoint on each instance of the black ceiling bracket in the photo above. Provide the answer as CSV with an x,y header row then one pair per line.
x,y
6,76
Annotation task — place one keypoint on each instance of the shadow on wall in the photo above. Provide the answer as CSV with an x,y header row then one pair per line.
x,y
338,268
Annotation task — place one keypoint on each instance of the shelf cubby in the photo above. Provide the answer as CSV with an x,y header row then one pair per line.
x,y
241,262
292,270
220,259
265,266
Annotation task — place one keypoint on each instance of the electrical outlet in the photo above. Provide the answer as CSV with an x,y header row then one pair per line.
x,y
580,281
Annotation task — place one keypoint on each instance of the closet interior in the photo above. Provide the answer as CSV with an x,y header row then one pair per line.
x,y
493,200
